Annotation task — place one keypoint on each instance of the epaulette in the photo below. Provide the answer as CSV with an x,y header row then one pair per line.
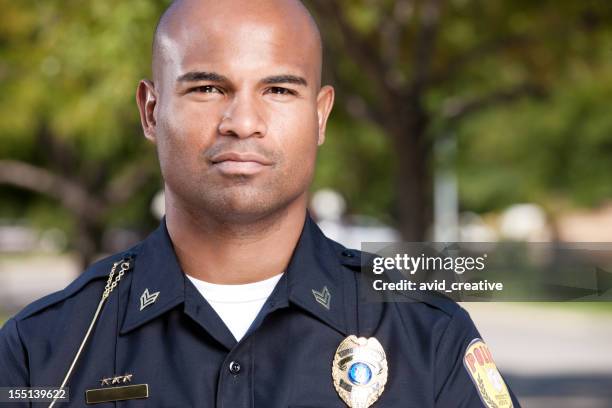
x,y
433,299
355,259
97,270
436,300
351,258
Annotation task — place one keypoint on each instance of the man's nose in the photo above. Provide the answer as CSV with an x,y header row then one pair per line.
x,y
242,118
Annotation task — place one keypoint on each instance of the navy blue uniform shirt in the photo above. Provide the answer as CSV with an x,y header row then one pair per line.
x,y
180,347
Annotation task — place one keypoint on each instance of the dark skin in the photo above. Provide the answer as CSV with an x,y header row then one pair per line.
x,y
237,114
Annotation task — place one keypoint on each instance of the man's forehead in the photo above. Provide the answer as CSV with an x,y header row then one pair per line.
x,y
195,36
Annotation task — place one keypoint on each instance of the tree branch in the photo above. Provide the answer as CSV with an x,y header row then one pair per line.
x,y
392,31
59,155
456,63
424,49
457,109
123,187
355,105
365,55
42,181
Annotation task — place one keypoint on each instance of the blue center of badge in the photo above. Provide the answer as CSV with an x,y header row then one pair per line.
x,y
360,373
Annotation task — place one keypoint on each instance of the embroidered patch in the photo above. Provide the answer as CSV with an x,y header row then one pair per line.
x,y
479,364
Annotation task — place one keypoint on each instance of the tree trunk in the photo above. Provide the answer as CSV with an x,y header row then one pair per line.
x,y
413,178
89,241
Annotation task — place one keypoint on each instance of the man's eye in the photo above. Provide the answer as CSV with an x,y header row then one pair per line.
x,y
281,91
206,89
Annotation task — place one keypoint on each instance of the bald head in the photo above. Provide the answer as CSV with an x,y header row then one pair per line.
x,y
200,25
236,107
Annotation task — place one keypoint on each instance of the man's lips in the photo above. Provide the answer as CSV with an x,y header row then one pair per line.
x,y
232,163
240,157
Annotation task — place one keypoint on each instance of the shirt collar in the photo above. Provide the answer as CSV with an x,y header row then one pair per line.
x,y
316,280
156,269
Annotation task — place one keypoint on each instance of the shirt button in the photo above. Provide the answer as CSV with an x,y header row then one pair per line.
x,y
234,367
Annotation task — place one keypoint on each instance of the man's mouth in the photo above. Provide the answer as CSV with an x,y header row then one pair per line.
x,y
233,163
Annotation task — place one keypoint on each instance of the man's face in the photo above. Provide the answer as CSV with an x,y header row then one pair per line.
x,y
237,116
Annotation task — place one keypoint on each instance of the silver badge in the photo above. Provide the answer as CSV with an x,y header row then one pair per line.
x,y
359,371
147,298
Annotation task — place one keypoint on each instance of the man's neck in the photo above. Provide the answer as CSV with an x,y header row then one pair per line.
x,y
229,253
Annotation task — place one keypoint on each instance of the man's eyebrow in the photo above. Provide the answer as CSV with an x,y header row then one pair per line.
x,y
195,76
284,79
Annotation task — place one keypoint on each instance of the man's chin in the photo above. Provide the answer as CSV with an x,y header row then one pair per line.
x,y
244,205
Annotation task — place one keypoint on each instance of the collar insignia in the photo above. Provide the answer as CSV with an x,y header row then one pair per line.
x,y
323,297
147,298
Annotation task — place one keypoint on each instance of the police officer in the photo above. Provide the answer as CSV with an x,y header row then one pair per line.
x,y
238,299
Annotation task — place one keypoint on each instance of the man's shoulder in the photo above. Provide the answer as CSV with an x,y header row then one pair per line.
x,y
96,272
350,258
355,260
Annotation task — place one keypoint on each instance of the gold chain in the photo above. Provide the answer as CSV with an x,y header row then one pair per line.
x,y
112,284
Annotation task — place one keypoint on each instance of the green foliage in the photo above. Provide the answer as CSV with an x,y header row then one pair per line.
x,y
69,70
356,161
539,74
541,151
68,76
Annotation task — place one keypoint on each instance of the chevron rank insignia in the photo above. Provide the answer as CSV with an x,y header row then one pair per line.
x,y
323,297
147,298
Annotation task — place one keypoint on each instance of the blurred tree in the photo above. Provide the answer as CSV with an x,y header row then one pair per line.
x,y
408,74
69,128
557,154
418,69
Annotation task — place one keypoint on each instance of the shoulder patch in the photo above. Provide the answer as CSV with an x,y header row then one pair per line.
x,y
489,383
99,269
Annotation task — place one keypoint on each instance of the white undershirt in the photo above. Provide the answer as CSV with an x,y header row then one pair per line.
x,y
237,305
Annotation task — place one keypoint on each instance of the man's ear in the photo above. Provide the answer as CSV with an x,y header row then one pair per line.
x,y
325,102
146,98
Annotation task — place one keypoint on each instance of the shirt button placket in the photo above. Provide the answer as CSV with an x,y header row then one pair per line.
x,y
234,388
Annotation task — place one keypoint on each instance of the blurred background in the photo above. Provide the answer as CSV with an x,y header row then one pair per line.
x,y
455,120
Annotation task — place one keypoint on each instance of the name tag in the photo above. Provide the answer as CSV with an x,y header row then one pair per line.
x,y
110,394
